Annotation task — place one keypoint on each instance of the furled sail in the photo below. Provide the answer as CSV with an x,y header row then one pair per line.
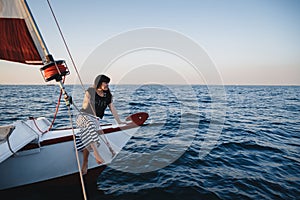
x,y
20,40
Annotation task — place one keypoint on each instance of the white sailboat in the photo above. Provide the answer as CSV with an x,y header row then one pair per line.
x,y
30,153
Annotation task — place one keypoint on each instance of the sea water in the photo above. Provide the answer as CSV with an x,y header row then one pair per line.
x,y
254,153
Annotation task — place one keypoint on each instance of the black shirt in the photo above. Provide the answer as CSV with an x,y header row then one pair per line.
x,y
99,103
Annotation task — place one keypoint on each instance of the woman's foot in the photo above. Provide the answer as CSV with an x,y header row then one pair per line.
x,y
99,161
98,158
84,169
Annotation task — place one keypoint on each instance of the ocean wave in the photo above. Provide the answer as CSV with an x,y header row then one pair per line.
x,y
255,156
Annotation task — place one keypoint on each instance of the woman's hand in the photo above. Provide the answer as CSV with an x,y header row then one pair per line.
x,y
121,122
115,114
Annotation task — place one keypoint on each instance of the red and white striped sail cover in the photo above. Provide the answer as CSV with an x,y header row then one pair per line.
x,y
19,38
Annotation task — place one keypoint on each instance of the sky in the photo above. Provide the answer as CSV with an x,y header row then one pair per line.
x,y
249,42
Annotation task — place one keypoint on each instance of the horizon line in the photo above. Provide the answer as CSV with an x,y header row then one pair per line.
x,y
172,84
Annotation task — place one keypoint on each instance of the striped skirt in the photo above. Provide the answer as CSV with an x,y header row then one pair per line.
x,y
87,134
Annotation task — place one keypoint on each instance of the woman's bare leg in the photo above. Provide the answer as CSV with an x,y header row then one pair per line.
x,y
98,158
84,167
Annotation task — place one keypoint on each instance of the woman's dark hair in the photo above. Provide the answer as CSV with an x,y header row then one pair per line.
x,y
100,79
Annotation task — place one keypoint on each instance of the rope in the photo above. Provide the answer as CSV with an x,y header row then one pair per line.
x,y
77,156
113,153
8,142
74,65
54,117
68,50
53,70
101,132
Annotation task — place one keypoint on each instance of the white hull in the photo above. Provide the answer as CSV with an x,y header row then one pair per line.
x,y
55,157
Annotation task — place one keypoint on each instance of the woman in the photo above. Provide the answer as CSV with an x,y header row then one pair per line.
x,y
95,101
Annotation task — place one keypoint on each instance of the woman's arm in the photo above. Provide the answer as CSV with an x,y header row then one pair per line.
x,y
86,100
115,113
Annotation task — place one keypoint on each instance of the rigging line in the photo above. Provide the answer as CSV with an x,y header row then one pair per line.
x,y
77,156
105,140
65,43
70,55
113,153
53,120
55,114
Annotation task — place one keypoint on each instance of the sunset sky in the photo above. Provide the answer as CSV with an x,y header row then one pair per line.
x,y
254,42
